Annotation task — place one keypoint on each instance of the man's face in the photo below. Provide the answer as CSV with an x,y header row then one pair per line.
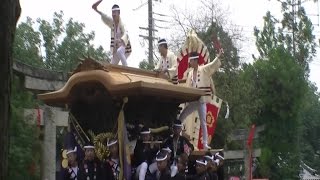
x,y
145,137
71,157
114,149
177,130
210,163
162,165
214,167
161,49
169,155
200,168
181,165
193,63
115,15
89,154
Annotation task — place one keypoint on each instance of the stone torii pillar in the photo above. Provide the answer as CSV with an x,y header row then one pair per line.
x,y
49,145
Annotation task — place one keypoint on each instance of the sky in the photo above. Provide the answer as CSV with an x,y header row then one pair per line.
x,y
244,14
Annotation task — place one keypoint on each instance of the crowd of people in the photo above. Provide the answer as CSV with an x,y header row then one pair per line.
x,y
151,160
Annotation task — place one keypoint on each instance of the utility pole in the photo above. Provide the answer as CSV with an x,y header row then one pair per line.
x,y
151,30
150,34
293,27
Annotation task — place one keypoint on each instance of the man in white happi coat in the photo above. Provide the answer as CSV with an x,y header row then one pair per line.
x,y
201,77
119,45
167,64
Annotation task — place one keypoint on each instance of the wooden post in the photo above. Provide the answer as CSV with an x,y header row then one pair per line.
x,y
246,158
49,146
9,15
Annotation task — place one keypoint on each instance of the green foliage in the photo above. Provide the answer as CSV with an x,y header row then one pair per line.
x,y
290,103
24,151
295,34
27,44
55,45
145,65
281,87
311,125
231,59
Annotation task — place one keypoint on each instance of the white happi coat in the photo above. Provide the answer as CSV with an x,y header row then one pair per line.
x,y
169,63
204,79
123,35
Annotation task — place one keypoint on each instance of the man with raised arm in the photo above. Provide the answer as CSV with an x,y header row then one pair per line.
x,y
200,77
119,44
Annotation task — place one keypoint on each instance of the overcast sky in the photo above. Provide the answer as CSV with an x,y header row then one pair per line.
x,y
239,13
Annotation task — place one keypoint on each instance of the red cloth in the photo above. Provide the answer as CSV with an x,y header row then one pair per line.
x,y
38,117
251,135
212,117
184,63
216,43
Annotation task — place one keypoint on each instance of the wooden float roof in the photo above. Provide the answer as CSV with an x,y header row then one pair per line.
x,y
121,81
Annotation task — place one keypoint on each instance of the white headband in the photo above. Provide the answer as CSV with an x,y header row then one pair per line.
x,y
209,157
167,149
111,143
201,162
194,57
145,132
72,151
217,154
163,42
161,159
115,9
88,147
178,125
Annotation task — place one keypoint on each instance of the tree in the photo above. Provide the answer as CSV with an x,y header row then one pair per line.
x,y
144,64
295,33
56,45
25,149
287,91
9,13
280,84
310,133
27,44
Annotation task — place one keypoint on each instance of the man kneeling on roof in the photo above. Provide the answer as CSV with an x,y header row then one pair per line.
x,y
167,64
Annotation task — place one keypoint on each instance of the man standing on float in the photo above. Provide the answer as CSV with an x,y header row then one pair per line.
x,y
200,77
119,44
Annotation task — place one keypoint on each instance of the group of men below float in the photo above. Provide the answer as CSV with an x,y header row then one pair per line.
x,y
200,77
167,161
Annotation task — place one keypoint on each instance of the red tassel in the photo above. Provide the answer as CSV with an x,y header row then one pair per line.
x,y
251,135
38,117
216,43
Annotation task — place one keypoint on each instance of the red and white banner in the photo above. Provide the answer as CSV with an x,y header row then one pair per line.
x,y
212,117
